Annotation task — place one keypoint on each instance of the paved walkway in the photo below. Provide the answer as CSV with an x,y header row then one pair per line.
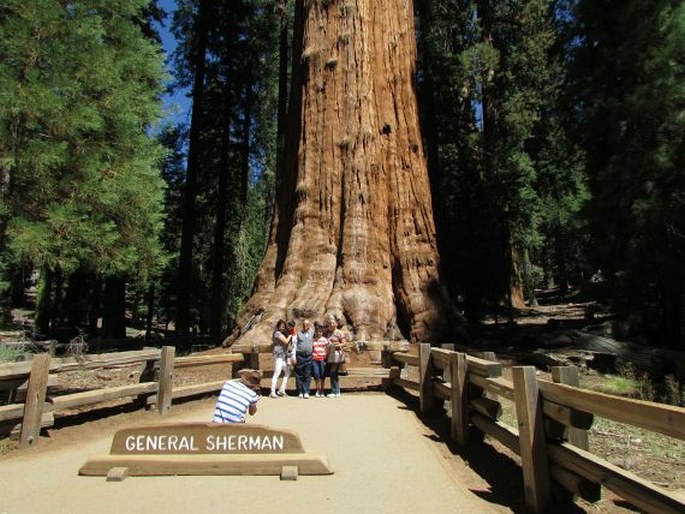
x,y
384,460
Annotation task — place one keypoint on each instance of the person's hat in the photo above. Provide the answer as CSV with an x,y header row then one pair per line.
x,y
251,377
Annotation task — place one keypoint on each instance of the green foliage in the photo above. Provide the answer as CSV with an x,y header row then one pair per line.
x,y
79,88
490,68
628,74
630,383
10,354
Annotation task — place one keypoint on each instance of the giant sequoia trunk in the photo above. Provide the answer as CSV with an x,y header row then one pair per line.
x,y
353,231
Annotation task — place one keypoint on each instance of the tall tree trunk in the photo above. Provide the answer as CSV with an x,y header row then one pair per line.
x,y
185,263
516,299
222,202
76,308
114,312
94,304
150,313
562,268
245,146
354,233
44,304
673,314
18,285
282,86
529,279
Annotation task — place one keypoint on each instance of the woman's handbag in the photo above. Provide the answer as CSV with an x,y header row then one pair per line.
x,y
336,356
342,369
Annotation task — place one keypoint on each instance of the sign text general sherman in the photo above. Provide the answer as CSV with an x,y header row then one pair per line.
x,y
203,438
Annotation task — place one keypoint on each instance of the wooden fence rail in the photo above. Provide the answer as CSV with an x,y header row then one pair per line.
x,y
37,411
154,388
552,422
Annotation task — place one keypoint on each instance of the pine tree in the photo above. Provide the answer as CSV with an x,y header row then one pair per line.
x,y
628,80
80,86
484,63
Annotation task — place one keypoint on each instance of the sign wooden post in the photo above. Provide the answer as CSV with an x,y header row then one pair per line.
x,y
536,478
207,449
35,398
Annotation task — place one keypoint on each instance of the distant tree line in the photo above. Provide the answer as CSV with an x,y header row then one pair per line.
x,y
554,131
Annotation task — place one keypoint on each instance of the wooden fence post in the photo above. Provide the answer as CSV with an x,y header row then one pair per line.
x,y
35,398
250,360
386,356
569,375
489,356
237,366
536,477
254,357
426,398
460,399
166,379
146,375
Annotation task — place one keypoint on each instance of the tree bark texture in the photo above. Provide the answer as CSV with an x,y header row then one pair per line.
x,y
353,232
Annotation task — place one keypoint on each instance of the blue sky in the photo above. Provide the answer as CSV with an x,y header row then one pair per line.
x,y
177,105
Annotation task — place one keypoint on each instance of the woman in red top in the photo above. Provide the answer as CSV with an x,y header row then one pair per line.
x,y
319,352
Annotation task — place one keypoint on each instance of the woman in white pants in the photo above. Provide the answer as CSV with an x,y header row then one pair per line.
x,y
280,352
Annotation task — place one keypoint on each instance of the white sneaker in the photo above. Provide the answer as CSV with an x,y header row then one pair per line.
x,y
332,395
306,395
300,395
273,395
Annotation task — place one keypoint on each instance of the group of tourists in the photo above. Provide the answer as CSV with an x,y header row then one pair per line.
x,y
315,351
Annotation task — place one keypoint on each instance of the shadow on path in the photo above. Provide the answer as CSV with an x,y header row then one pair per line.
x,y
501,472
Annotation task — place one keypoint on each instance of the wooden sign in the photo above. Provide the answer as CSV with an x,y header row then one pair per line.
x,y
206,449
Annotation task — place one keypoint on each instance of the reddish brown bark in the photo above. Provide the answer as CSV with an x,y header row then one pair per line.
x,y
353,232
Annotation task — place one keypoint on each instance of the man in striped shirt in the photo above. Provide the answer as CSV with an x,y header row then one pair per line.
x,y
238,397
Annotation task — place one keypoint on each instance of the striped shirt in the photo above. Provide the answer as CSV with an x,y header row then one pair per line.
x,y
234,401
320,346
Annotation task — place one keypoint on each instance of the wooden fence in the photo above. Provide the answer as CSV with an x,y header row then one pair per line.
x,y
155,385
552,417
252,353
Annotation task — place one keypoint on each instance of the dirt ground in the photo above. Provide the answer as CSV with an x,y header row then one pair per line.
x,y
385,460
